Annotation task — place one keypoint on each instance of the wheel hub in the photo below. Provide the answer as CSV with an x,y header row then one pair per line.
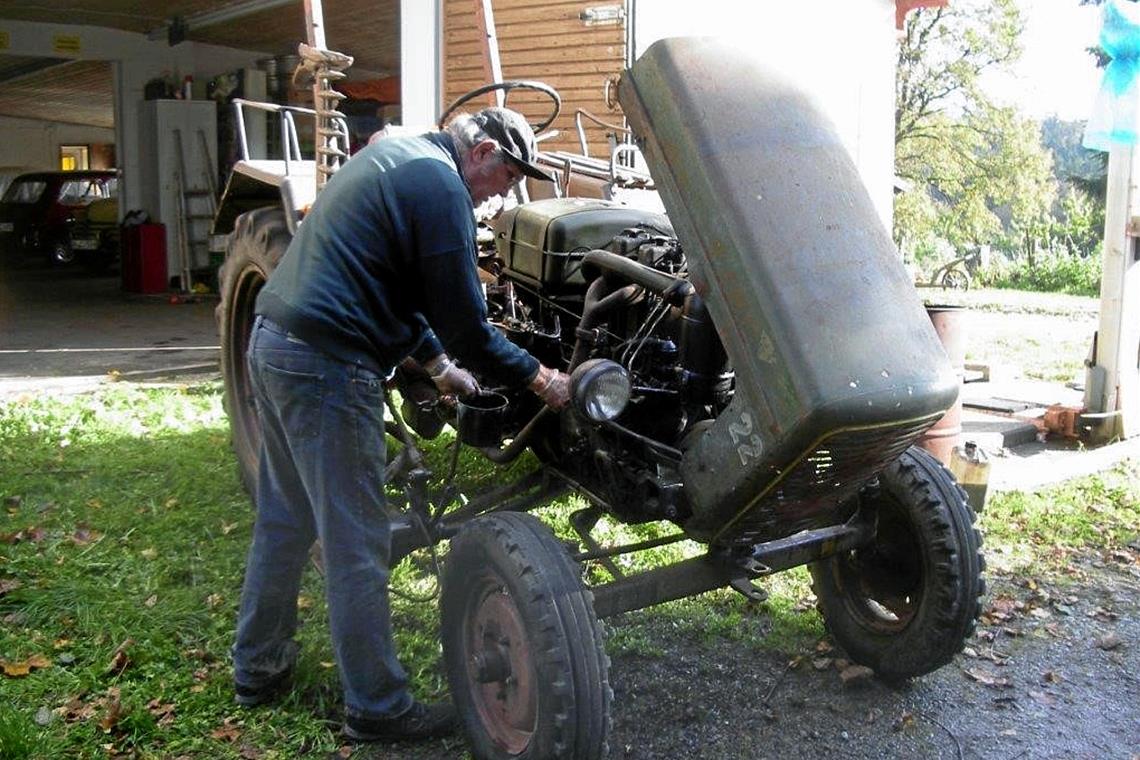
x,y
500,671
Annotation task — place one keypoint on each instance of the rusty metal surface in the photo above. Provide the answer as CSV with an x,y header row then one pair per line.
x,y
822,324
950,325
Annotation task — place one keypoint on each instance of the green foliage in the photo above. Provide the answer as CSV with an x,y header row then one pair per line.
x,y
1058,272
977,172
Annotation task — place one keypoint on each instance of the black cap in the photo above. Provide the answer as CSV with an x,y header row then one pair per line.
x,y
509,129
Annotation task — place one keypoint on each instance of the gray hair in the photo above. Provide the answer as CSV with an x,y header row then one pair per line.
x,y
466,133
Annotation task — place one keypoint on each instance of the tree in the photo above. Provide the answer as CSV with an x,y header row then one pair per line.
x,y
977,172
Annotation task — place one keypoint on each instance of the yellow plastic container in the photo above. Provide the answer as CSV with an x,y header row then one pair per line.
x,y
971,467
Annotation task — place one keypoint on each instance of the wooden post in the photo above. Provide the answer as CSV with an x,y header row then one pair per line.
x,y
1112,386
492,68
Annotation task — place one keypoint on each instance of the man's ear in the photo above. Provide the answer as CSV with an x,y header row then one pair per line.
x,y
484,150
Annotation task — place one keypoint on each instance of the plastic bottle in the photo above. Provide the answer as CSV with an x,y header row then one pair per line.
x,y
971,467
188,88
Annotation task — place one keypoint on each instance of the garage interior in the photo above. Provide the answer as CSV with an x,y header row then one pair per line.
x,y
146,90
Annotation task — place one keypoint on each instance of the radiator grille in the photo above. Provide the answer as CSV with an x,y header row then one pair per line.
x,y
812,493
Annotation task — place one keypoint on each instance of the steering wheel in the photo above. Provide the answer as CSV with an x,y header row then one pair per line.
x,y
507,87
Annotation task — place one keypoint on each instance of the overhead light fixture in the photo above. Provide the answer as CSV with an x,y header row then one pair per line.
x,y
175,30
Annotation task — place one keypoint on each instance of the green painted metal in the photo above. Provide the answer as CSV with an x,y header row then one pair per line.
x,y
816,312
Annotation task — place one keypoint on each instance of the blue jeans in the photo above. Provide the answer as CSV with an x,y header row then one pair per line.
x,y
321,476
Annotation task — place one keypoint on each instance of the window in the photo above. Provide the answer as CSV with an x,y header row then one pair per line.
x,y
28,191
81,192
73,157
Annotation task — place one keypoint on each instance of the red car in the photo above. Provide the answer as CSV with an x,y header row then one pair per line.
x,y
46,213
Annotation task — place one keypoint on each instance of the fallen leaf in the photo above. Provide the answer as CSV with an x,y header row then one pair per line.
x,y
151,600
304,602
75,710
1109,641
1102,614
854,675
1041,697
988,679
44,716
249,752
228,732
114,711
821,663
95,503
874,714
21,669
1041,613
9,584
120,661
1055,630
171,503
969,652
824,647
213,600
15,669
904,721
328,664
149,553
1051,676
345,751
163,711
228,527
84,536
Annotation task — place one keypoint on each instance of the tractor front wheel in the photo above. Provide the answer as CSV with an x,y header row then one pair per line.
x,y
522,645
905,604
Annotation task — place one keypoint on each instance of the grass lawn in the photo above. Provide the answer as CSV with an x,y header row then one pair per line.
x,y
123,534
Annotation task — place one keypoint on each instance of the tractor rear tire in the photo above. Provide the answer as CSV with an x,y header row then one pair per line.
x,y
521,643
256,245
905,604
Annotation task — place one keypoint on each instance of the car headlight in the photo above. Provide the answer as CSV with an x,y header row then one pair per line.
x,y
600,389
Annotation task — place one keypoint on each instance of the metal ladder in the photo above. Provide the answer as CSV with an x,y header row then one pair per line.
x,y
196,208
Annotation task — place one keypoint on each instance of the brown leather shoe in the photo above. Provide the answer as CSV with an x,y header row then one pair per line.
x,y
420,721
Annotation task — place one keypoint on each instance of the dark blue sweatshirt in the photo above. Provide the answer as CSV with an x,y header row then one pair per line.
x,y
388,250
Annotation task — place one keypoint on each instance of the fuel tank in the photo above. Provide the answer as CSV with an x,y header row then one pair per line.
x,y
838,368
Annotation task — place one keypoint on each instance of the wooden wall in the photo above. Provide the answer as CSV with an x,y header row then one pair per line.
x,y
544,40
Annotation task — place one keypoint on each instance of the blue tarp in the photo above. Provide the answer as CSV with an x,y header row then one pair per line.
x,y
1114,118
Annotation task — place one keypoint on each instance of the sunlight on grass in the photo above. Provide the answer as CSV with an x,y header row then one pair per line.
x,y
122,545
1041,530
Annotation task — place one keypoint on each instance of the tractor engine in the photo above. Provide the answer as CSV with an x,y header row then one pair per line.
x,y
582,280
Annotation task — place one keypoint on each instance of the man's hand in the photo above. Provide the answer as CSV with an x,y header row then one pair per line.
x,y
552,386
450,378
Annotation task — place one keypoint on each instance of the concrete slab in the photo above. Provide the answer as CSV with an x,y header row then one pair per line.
x,y
64,329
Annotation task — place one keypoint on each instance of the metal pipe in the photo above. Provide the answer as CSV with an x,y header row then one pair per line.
x,y
597,306
637,273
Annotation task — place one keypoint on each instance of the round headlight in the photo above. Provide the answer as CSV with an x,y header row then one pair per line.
x,y
600,389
